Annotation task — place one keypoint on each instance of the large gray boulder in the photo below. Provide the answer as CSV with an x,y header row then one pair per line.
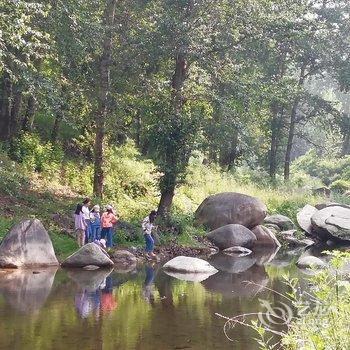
x,y
124,261
230,208
265,237
283,222
27,245
332,223
304,218
189,265
232,235
89,254
310,261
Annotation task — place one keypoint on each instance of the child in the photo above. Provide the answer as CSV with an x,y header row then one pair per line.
x,y
95,223
80,225
108,219
147,227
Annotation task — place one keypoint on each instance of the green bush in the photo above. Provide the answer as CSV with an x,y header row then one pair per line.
x,y
326,169
12,178
340,186
35,155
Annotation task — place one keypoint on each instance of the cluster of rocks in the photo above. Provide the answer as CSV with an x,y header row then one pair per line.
x,y
326,222
235,219
28,245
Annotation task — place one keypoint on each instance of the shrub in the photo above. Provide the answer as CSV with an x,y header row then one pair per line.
x,y
340,186
12,178
35,155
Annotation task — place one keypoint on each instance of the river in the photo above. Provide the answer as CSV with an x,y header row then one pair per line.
x,y
141,309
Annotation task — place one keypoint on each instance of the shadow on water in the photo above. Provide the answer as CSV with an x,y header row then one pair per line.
x,y
25,290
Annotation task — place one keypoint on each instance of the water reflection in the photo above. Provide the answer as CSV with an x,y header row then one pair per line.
x,y
146,309
95,292
26,290
147,286
237,284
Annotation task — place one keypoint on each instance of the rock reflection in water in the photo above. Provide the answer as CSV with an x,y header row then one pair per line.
x,y
236,284
95,292
27,290
235,273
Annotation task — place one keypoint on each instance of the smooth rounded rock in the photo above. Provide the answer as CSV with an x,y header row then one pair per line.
x,y
332,223
188,264
310,261
89,254
230,208
304,218
27,245
282,221
232,235
265,237
237,251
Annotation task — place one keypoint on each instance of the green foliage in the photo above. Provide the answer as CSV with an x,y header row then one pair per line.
x,y
323,324
326,169
35,155
340,186
12,179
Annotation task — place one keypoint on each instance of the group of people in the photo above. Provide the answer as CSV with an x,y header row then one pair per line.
x,y
90,226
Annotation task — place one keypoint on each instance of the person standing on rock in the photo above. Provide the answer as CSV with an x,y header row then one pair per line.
x,y
147,227
86,212
108,219
80,225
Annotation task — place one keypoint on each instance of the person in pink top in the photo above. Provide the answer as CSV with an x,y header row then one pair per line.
x,y
80,225
108,219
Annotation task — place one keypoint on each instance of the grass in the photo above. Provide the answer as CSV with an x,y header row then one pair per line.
x,y
25,194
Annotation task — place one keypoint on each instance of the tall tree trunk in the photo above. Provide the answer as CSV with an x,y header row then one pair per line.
x,y
15,113
5,112
100,118
28,121
273,143
292,124
346,145
166,201
56,126
169,178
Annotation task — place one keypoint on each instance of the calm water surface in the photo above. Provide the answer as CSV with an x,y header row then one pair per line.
x,y
142,309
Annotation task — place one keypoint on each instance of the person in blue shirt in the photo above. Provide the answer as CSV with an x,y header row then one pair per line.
x,y
95,224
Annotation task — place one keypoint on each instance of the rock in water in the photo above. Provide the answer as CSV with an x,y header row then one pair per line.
x,y
237,251
332,223
283,222
187,264
27,245
230,208
231,235
304,218
89,254
310,261
124,260
265,237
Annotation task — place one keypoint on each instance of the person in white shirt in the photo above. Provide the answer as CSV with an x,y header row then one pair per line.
x,y
86,213
147,226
